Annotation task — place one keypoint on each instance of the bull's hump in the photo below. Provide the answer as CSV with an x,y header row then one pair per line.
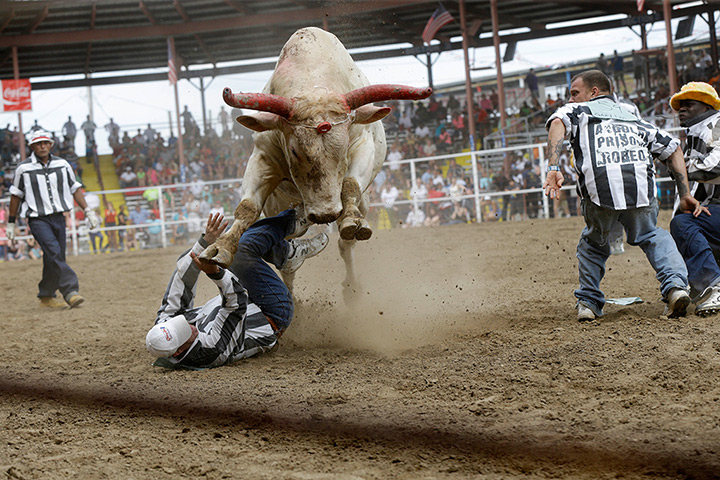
x,y
311,44
313,57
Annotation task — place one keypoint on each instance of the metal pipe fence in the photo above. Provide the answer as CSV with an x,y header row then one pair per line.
x,y
181,209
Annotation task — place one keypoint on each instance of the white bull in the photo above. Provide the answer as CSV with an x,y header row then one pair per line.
x,y
319,142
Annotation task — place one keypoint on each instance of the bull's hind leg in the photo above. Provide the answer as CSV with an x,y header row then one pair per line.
x,y
351,287
352,224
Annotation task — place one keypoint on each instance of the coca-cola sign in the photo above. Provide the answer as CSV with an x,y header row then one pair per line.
x,y
16,95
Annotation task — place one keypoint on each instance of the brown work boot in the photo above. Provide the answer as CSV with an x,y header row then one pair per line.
x,y
52,302
74,299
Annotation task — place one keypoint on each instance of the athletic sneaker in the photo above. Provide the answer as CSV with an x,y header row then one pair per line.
x,y
52,302
74,299
300,249
585,314
709,302
677,303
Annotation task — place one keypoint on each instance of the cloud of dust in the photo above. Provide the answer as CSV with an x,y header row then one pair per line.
x,y
402,307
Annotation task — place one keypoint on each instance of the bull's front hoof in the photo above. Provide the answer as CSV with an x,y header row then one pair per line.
x,y
347,228
217,255
363,232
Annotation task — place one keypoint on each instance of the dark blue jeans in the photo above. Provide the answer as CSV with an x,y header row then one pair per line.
x,y
262,244
698,239
49,231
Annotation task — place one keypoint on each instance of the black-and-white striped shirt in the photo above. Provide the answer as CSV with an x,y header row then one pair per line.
x,y
702,157
229,328
614,152
44,189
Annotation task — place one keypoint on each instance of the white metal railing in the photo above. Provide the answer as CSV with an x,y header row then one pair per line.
x,y
172,215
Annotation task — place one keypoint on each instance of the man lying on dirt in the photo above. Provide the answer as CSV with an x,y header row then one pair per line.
x,y
698,238
254,306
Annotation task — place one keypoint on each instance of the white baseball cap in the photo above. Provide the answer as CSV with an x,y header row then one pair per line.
x,y
165,338
40,136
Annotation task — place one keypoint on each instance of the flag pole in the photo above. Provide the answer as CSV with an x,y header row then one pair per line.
x,y
429,67
21,139
468,80
180,148
498,64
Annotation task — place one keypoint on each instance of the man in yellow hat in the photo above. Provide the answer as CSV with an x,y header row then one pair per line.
x,y
698,238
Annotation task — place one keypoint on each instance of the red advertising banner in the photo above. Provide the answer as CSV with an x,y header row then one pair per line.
x,y
16,95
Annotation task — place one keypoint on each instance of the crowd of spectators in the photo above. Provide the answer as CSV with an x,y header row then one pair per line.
x,y
415,130
438,126
146,158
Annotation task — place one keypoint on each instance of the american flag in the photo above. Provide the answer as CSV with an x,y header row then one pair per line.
x,y
172,70
640,5
439,19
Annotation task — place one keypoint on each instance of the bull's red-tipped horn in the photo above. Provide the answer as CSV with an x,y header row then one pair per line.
x,y
264,102
378,93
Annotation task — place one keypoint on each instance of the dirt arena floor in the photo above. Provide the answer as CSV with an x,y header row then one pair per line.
x,y
461,359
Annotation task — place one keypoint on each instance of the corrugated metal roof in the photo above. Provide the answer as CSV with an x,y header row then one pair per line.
x,y
81,37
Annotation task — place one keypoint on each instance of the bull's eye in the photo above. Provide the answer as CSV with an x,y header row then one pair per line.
x,y
292,150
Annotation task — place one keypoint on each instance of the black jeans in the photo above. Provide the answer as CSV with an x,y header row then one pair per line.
x,y
49,231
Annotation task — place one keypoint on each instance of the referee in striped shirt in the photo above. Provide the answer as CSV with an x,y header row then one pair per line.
x,y
43,189
614,152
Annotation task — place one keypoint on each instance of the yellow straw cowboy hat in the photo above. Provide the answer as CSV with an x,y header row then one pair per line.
x,y
700,91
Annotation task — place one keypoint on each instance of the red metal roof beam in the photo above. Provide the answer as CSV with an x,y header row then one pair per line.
x,y
214,25
147,13
237,7
7,20
39,19
181,10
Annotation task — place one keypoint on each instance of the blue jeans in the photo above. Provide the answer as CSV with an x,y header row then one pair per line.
x,y
698,239
49,231
640,225
264,242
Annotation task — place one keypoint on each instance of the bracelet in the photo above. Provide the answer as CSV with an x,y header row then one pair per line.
x,y
555,168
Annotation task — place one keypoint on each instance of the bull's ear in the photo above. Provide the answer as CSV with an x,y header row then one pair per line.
x,y
260,121
370,114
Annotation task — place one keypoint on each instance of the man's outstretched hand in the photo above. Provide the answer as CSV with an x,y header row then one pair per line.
x,y
216,225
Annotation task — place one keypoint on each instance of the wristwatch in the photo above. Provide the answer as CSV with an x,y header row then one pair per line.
x,y
550,168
